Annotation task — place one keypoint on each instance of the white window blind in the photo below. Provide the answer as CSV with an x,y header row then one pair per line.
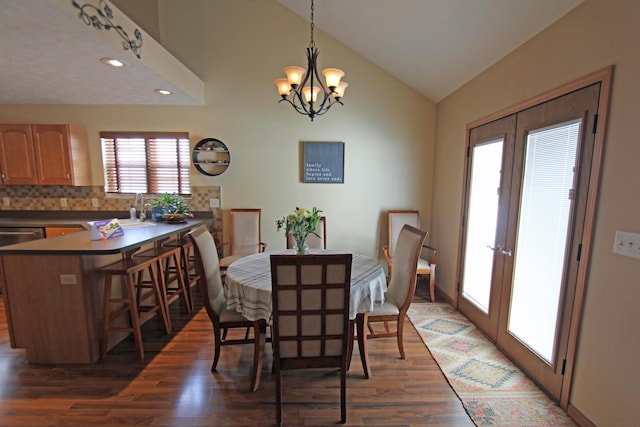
x,y
146,162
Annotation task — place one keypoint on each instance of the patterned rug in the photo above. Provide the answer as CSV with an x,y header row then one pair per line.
x,y
493,391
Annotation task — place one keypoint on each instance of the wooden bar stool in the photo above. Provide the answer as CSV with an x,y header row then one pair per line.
x,y
169,271
134,299
187,263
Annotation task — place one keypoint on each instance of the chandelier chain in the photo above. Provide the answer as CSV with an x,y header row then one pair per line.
x,y
312,43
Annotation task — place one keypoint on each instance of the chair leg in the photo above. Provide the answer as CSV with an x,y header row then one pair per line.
x,y
350,343
278,396
130,285
432,283
400,329
217,344
343,394
361,320
260,337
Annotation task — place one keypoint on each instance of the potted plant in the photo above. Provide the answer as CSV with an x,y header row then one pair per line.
x,y
170,207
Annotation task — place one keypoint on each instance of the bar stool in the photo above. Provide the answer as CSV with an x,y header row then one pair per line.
x,y
187,264
133,300
168,263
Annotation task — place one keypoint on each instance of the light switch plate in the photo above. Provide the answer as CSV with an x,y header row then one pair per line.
x,y
627,244
214,203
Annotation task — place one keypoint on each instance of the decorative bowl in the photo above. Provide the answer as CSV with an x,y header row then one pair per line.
x,y
175,218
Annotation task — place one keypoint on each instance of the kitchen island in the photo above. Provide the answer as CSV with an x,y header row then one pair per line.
x,y
53,290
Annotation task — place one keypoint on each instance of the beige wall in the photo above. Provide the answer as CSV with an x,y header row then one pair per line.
x,y
596,34
238,49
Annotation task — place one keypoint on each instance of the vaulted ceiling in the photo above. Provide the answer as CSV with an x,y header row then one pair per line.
x,y
434,46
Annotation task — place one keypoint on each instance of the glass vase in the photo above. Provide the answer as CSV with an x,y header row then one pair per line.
x,y
301,246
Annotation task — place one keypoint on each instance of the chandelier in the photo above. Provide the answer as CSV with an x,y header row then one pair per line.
x,y
305,91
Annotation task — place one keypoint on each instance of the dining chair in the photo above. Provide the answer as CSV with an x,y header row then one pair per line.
x,y
245,236
310,322
313,241
401,287
396,219
215,303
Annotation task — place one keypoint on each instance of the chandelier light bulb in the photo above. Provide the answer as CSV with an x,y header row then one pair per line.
x,y
283,86
339,91
309,95
294,75
333,76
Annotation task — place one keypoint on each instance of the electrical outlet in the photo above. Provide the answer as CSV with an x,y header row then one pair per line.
x,y
627,244
63,202
6,202
68,279
95,203
214,203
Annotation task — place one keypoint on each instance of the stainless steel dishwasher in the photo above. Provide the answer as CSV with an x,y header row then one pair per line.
x,y
12,235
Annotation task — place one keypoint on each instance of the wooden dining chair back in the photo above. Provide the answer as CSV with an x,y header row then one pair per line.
x,y
215,302
401,287
245,236
313,241
311,328
396,219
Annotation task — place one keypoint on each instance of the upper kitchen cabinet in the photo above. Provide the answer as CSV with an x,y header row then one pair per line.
x,y
17,158
44,155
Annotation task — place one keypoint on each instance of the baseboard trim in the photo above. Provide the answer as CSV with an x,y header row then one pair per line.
x,y
579,417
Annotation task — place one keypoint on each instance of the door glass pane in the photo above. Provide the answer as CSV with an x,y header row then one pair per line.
x,y
543,222
481,223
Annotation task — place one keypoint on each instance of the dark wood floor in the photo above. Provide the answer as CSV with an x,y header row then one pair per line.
x,y
173,386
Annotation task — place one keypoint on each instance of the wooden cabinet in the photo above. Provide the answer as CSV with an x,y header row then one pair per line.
x,y
17,158
44,155
59,231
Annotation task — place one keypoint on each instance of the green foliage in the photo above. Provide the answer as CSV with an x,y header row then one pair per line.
x,y
172,204
300,224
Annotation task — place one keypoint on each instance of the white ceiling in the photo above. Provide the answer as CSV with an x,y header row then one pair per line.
x,y
434,46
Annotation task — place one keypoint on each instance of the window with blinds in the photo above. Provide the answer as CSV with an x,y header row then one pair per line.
x,y
146,162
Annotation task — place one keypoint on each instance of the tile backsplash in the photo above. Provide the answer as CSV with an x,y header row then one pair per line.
x,y
53,198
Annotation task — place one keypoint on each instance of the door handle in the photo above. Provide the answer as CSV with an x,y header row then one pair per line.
x,y
501,250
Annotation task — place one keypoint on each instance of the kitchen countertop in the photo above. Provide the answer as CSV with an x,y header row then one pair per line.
x,y
43,222
80,243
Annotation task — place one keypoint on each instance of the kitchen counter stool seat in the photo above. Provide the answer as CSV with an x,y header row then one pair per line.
x,y
133,300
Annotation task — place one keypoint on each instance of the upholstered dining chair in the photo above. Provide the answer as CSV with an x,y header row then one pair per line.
x,y
396,219
313,241
401,287
310,322
215,303
245,236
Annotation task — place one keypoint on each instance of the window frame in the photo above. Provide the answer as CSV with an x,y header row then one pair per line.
x,y
154,167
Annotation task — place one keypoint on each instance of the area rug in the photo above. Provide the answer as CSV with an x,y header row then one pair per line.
x,y
493,390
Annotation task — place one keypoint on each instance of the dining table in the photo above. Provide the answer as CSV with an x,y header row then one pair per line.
x,y
248,291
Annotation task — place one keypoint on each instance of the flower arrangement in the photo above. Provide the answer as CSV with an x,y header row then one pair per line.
x,y
300,224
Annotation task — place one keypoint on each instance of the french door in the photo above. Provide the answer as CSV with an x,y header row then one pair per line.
x,y
527,182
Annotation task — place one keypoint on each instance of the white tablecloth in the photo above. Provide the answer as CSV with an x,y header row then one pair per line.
x,y
248,284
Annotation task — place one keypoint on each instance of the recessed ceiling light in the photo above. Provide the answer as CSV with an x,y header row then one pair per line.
x,y
164,92
113,62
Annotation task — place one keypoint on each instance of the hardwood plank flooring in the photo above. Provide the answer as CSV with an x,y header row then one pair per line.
x,y
174,386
